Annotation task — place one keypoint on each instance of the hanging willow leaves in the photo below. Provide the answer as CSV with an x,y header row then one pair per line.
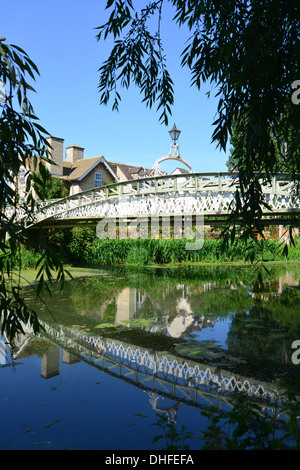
x,y
23,147
248,51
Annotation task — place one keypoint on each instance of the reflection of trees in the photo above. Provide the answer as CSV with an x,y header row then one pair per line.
x,y
270,326
83,301
257,333
221,300
284,308
92,292
208,291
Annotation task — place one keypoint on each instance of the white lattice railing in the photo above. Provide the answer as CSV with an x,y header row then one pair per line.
x,y
200,193
193,374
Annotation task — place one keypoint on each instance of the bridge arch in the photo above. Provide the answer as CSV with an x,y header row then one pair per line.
x,y
209,194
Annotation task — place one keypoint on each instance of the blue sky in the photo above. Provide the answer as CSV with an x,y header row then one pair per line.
x,y
60,37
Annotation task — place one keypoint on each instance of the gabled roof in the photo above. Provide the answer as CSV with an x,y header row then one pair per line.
x,y
179,170
81,167
130,171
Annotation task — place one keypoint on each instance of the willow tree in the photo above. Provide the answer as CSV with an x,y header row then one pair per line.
x,y
247,50
23,145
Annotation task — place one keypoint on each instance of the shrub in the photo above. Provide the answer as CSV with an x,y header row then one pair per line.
x,y
80,246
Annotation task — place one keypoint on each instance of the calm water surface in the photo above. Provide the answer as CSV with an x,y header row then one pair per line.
x,y
123,347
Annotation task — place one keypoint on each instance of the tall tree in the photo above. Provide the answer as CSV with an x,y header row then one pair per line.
x,y
282,165
52,188
247,49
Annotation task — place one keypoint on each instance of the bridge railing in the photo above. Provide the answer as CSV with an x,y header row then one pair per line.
x,y
189,182
167,367
166,185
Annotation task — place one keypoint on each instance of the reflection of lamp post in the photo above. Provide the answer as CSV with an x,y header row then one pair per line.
x,y
174,153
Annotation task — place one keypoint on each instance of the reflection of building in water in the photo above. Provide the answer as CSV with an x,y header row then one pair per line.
x,y
139,299
52,359
185,324
179,319
173,314
126,303
287,280
273,288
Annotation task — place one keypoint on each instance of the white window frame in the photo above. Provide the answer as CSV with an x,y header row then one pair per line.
x,y
97,175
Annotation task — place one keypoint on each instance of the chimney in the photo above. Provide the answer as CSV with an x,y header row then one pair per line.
x,y
56,154
73,153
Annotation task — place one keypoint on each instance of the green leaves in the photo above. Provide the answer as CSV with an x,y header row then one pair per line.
x,y
23,151
15,313
250,427
137,58
48,187
175,437
248,51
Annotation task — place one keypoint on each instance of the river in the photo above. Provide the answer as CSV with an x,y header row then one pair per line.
x,y
128,353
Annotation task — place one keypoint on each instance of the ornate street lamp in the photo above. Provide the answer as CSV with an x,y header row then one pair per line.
x,y
174,133
174,153
174,149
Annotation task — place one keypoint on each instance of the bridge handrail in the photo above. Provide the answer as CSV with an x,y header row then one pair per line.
x,y
107,187
219,182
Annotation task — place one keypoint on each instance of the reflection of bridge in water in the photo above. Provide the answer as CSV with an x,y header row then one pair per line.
x,y
159,374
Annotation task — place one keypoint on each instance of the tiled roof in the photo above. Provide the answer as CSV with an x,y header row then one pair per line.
x,y
76,170
180,170
79,167
130,171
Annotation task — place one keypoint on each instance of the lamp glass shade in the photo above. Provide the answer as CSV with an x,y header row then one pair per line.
x,y
174,133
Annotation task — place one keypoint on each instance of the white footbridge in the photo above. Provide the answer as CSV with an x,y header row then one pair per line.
x,y
209,194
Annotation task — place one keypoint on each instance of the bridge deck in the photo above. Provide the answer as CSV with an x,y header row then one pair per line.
x,y
209,194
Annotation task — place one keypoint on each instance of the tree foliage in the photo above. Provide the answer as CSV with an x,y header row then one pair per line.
x,y
22,145
52,188
282,164
248,50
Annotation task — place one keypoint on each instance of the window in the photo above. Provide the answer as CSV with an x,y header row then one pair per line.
x,y
98,180
22,177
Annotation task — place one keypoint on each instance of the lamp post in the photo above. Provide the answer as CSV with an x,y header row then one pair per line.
x,y
174,133
174,149
174,153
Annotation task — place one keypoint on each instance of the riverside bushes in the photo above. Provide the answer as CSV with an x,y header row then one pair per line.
x,y
147,251
81,247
